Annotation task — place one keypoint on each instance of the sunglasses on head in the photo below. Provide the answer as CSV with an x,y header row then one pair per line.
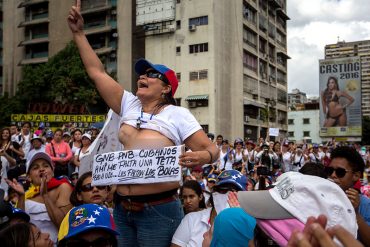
x,y
88,187
154,74
99,242
340,172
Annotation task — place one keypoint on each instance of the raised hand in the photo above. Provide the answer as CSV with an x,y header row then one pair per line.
x,y
43,186
75,20
15,186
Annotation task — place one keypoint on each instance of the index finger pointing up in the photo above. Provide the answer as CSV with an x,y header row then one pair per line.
x,y
78,4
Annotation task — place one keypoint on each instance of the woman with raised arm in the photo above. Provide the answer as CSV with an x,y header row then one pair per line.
x,y
149,120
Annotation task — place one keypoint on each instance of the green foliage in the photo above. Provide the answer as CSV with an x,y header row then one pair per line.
x,y
62,79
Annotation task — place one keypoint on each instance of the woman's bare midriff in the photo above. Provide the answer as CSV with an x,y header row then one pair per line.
x,y
335,109
133,138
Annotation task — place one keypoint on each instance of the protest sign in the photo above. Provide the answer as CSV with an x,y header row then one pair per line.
x,y
140,166
107,141
273,131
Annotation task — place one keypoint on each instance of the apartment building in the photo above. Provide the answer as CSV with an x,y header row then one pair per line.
x,y
296,97
354,49
303,125
230,56
231,59
35,30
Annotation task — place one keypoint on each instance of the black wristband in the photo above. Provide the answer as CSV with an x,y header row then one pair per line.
x,y
211,157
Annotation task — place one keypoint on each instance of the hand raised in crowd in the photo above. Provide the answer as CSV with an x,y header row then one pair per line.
x,y
75,20
43,186
15,186
315,235
233,199
354,196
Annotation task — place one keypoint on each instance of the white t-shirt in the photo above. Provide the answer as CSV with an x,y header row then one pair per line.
x,y
191,229
286,161
174,122
316,158
298,159
228,165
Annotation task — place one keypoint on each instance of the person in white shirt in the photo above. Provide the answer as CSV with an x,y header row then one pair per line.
x,y
315,155
286,157
226,158
24,137
37,146
298,159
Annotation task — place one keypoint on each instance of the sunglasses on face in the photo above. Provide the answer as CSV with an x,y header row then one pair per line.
x,y
340,172
155,74
89,187
99,242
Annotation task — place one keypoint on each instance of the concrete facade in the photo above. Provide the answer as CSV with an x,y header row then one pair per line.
x,y
303,124
234,81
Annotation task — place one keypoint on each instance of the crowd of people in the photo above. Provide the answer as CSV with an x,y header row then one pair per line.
x,y
229,202
249,193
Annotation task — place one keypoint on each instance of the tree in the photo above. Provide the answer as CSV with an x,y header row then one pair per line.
x,y
62,79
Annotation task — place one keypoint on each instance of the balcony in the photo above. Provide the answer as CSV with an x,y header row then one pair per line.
x,y
103,29
276,3
37,60
33,22
96,9
281,13
26,3
34,41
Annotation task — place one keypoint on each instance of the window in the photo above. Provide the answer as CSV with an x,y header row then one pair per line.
x,y
281,77
249,37
178,24
178,50
306,121
196,48
306,134
193,75
205,127
291,133
250,14
178,1
250,61
198,21
178,75
198,75
282,96
290,121
203,74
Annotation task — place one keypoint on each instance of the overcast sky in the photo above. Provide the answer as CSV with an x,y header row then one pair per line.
x,y
312,25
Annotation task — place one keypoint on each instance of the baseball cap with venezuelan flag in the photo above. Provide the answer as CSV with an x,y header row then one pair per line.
x,y
84,218
142,65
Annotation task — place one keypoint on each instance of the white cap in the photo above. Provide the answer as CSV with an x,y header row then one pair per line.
x,y
300,196
87,135
39,155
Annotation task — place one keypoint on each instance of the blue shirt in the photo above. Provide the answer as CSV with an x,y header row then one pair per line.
x,y
364,208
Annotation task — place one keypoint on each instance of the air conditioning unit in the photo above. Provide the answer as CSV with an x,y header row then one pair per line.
x,y
172,28
192,27
247,119
115,35
192,104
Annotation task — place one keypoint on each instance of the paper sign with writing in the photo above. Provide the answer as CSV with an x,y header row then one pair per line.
x,y
137,166
273,131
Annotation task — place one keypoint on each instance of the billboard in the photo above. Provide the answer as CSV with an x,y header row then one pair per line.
x,y
154,11
340,97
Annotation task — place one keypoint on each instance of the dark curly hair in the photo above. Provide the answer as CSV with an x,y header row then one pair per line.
x,y
351,155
